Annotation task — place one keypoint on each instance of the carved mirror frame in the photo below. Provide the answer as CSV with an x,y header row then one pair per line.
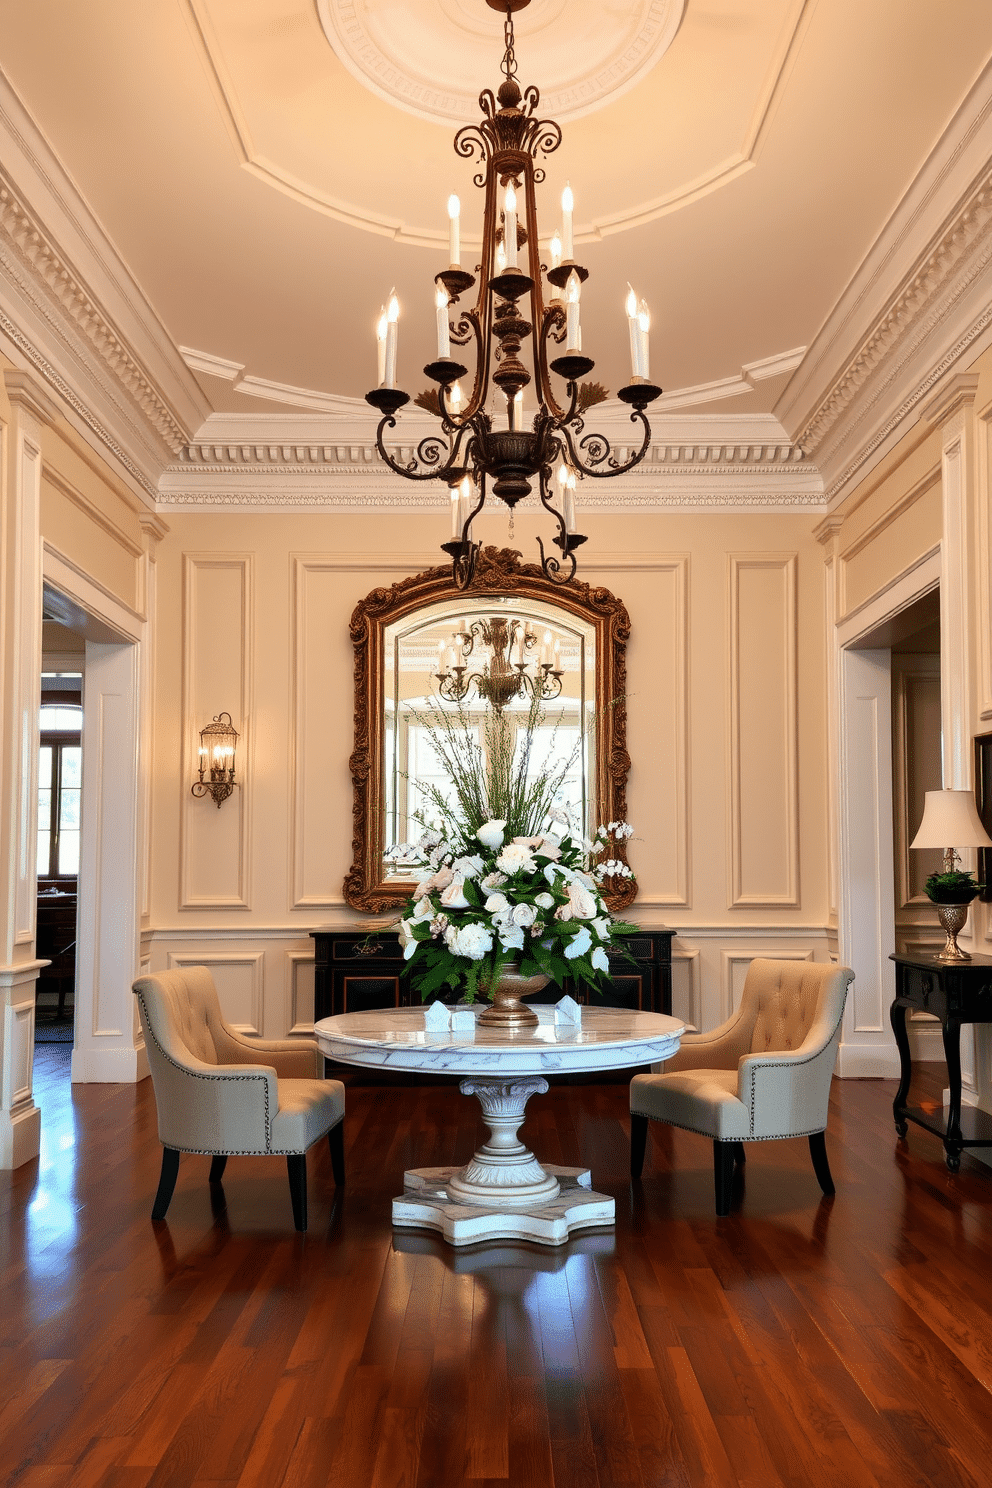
x,y
499,573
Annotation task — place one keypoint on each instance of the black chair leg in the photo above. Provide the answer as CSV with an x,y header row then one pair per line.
x,y
296,1162
740,1156
335,1141
217,1169
638,1143
723,1175
818,1152
166,1183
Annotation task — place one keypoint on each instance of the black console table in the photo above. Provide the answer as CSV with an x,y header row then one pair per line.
x,y
355,971
956,992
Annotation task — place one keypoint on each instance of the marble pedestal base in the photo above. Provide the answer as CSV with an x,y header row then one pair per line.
x,y
426,1204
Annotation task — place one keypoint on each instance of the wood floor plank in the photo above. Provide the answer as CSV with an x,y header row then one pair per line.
x,y
799,1343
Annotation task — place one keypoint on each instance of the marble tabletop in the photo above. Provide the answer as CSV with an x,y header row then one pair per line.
x,y
395,1038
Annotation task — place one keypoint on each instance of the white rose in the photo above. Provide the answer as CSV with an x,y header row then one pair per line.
x,y
546,848
468,867
492,881
512,939
579,944
441,879
497,902
563,912
524,914
600,960
516,858
473,941
453,897
601,927
422,910
582,902
545,900
490,834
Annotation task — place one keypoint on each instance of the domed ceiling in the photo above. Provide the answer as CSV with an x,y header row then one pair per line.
x,y
269,169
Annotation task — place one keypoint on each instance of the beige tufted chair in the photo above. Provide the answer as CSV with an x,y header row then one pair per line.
x,y
223,1095
763,1075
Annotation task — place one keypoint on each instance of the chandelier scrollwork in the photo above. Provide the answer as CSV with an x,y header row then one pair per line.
x,y
476,452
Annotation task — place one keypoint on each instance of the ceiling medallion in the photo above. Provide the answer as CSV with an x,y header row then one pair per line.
x,y
432,58
488,439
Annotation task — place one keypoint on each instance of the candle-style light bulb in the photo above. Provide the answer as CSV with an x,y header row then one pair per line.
x,y
443,334
455,398
546,649
500,258
567,207
568,503
454,230
456,525
380,347
510,226
643,327
392,338
464,500
635,333
573,333
518,409
554,248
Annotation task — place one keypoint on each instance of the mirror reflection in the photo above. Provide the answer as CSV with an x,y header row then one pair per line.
x,y
500,654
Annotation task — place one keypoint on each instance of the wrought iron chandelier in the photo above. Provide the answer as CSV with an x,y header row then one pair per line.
x,y
504,669
472,455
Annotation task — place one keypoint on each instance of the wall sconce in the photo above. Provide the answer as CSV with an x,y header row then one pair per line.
x,y
218,741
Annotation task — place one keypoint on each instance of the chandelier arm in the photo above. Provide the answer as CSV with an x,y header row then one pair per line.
x,y
428,452
475,510
614,466
557,572
553,320
561,540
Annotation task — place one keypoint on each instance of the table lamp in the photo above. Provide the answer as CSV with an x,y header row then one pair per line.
x,y
951,817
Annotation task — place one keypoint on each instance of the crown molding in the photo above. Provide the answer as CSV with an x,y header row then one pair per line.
x,y
72,311
286,461
926,309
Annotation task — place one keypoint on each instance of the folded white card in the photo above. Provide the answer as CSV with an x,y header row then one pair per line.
x,y
436,1018
568,1010
462,1019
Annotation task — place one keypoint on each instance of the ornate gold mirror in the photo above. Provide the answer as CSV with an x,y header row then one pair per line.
x,y
423,641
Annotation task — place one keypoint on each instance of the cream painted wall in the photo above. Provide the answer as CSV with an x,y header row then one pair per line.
x,y
726,735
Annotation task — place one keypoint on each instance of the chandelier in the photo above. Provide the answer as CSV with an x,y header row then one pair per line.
x,y
482,448
503,664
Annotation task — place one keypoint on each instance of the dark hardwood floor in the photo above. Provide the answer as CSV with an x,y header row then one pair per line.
x,y
802,1341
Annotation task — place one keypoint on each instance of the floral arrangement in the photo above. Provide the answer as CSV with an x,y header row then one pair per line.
x,y
507,877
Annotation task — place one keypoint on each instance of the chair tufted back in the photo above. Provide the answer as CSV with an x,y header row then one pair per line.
x,y
183,1008
784,997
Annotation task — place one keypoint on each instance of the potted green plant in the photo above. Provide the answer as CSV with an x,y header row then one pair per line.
x,y
952,891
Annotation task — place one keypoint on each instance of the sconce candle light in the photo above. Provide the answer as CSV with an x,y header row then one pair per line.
x,y
218,742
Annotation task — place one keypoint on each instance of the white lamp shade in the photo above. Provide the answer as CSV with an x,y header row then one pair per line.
x,y
950,819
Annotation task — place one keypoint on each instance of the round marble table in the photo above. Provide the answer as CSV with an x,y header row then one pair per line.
x,y
504,1193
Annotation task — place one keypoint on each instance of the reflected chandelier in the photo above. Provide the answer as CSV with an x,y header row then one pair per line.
x,y
502,665
472,454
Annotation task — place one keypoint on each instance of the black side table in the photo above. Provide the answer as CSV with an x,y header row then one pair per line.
x,y
956,992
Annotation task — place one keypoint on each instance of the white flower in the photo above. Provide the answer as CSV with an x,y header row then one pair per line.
x,y
422,910
524,914
579,944
563,912
582,902
601,927
490,834
555,870
468,867
473,941
600,960
429,839
497,902
602,831
453,897
492,881
439,924
439,880
516,858
407,939
557,815
548,849
527,841
512,939
545,900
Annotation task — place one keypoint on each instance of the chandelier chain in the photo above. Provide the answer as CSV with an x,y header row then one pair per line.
x,y
509,56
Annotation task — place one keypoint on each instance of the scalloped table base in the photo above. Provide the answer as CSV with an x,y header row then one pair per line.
x,y
426,1205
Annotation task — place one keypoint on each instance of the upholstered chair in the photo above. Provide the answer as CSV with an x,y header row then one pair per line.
x,y
225,1096
761,1076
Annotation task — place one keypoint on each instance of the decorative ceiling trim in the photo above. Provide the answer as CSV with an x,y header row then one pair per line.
x,y
756,500
960,255
352,215
24,237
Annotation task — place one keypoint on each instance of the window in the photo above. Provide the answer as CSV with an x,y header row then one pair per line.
x,y
60,778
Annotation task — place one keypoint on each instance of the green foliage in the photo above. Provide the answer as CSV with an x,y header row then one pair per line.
x,y
952,888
